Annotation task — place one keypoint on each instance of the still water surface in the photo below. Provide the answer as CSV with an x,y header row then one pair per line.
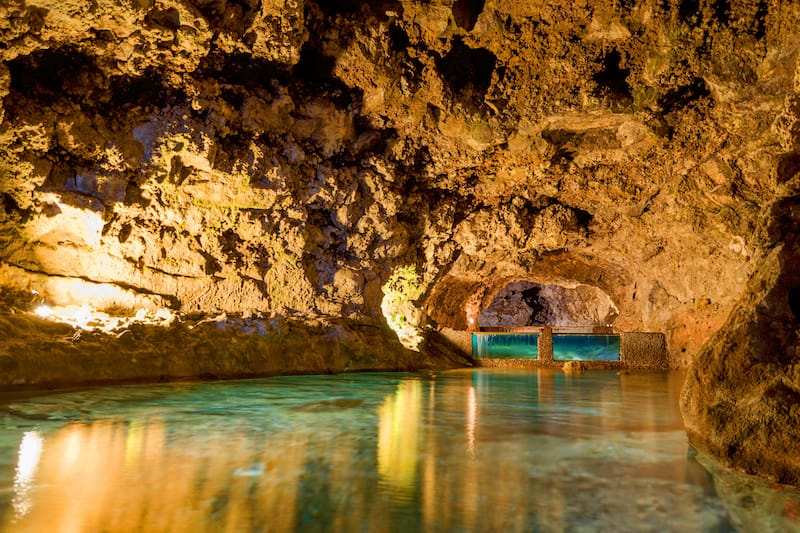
x,y
469,450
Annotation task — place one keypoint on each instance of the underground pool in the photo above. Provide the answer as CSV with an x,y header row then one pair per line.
x,y
464,450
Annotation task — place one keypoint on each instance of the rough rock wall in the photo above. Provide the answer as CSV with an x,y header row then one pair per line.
x,y
283,158
38,353
741,401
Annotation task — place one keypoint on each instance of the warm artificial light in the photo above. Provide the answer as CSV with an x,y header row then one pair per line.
x,y
44,311
87,318
30,451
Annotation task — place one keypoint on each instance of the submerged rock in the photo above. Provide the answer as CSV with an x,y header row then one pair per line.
x,y
330,405
254,470
573,367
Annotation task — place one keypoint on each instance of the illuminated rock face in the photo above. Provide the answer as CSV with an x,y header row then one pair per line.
x,y
526,304
286,159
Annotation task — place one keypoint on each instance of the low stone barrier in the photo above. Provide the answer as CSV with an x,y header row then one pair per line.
x,y
641,349
638,350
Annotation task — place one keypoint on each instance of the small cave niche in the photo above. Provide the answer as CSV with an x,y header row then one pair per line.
x,y
9,204
612,80
398,38
526,303
314,68
131,91
565,145
315,73
230,244
466,13
467,71
688,11
12,209
231,15
794,301
759,21
169,19
60,71
683,96
788,166
694,13
243,70
124,232
721,9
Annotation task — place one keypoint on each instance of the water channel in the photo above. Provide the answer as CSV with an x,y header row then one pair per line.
x,y
465,450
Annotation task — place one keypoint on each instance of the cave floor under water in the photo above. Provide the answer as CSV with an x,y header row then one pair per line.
x,y
465,450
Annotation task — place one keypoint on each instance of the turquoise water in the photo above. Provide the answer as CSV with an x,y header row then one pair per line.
x,y
504,345
586,347
566,347
468,450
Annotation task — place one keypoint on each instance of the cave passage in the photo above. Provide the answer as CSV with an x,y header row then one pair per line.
x,y
526,303
526,320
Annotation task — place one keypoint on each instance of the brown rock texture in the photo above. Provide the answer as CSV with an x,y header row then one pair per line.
x,y
289,160
741,401
39,353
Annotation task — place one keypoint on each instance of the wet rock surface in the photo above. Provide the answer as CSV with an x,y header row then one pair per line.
x,y
285,158
37,353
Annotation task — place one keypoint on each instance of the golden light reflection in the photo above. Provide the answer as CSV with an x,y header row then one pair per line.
x,y
134,444
30,451
472,418
70,450
398,438
141,476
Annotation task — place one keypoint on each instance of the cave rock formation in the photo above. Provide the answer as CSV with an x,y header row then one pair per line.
x,y
252,173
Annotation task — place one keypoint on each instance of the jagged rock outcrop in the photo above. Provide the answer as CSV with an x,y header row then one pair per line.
x,y
287,159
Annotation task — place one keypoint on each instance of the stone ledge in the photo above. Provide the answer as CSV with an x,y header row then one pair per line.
x,y
42,354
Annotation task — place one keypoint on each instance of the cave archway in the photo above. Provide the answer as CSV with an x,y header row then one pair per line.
x,y
527,303
571,292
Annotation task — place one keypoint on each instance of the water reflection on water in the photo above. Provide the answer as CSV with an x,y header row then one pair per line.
x,y
485,450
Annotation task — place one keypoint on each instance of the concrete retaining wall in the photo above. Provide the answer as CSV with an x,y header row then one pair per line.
x,y
644,350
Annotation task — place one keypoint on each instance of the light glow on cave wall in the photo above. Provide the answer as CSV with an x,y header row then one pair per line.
x,y
399,306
